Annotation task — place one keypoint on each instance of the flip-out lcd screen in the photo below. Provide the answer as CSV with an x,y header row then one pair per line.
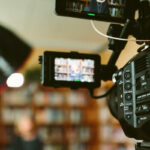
x,y
105,10
79,70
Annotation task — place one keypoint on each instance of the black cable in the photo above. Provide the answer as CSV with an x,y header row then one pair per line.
x,y
101,96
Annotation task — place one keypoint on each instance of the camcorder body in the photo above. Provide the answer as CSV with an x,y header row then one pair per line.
x,y
129,98
129,101
133,96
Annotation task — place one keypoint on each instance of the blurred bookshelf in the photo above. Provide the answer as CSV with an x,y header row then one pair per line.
x,y
67,119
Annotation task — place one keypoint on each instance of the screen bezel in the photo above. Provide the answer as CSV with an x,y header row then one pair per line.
x,y
49,60
61,10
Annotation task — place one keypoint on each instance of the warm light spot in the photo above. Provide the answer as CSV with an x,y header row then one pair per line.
x,y
15,80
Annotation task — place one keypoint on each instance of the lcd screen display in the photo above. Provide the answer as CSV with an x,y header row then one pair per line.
x,y
103,10
76,70
111,8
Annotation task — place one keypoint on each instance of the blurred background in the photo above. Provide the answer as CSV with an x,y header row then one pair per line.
x,y
64,119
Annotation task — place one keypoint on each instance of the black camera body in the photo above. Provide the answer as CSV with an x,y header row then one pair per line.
x,y
133,95
129,98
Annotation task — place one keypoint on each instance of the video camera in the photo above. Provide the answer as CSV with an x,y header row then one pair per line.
x,y
131,105
129,98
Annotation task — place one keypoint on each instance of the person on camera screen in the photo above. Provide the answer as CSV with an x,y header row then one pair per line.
x,y
99,6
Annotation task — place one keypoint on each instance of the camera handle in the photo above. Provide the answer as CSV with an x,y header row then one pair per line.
x,y
142,146
116,46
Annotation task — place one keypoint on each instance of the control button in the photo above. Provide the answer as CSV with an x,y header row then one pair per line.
x,y
147,75
138,109
128,96
145,107
128,86
130,108
138,98
142,78
138,121
128,117
142,119
121,88
145,87
121,98
127,75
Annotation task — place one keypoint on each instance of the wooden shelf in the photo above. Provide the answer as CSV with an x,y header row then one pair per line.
x,y
71,103
74,124
18,106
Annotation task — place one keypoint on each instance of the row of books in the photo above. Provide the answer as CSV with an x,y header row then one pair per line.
x,y
19,96
76,6
65,70
45,116
58,116
55,147
116,12
62,134
110,146
72,98
52,98
10,116
85,147
51,133
86,63
117,2
76,146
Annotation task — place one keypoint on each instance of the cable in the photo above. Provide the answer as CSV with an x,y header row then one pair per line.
x,y
101,96
115,38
